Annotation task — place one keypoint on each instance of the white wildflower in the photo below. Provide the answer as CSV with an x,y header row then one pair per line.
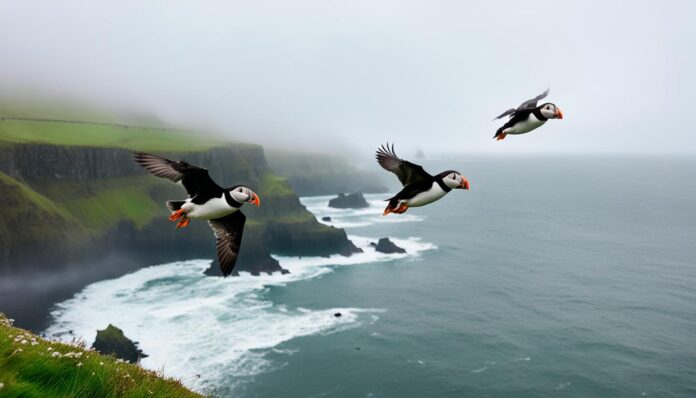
x,y
101,363
2,385
56,354
79,364
49,349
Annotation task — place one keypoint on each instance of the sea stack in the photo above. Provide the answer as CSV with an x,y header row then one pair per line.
x,y
351,201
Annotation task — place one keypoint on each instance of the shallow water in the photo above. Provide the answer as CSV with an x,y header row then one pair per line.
x,y
553,276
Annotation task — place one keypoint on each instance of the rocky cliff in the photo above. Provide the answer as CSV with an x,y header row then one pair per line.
x,y
80,202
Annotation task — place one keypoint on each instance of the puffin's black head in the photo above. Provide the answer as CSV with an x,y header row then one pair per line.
x,y
454,179
551,111
242,194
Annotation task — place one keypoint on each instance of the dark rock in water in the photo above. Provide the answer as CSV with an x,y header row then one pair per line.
x,y
338,315
386,246
351,201
326,218
112,341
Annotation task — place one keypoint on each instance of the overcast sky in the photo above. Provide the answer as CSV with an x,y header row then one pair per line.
x,y
352,74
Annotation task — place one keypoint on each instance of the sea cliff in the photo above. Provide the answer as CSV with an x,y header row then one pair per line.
x,y
81,202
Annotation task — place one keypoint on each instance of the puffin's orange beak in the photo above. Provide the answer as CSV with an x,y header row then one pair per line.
x,y
255,200
559,114
464,184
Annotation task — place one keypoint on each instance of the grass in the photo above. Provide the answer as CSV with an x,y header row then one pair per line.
x,y
34,367
99,135
31,197
100,205
274,185
106,209
28,216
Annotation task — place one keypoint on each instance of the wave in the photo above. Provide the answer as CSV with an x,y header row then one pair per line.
x,y
220,329
355,218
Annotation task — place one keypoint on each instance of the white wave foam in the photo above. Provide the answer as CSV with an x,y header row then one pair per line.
x,y
355,218
218,328
413,246
192,324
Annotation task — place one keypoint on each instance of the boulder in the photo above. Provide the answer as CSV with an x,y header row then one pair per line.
x,y
112,341
387,246
351,201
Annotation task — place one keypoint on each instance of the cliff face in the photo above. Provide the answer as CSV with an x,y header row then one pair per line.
x,y
97,200
318,174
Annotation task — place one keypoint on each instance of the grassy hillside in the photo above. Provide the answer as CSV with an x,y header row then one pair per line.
x,y
27,217
33,367
96,134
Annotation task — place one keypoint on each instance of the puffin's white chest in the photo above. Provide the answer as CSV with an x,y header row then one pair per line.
x,y
213,208
426,197
525,126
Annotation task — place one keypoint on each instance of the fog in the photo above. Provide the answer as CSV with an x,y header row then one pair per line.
x,y
339,75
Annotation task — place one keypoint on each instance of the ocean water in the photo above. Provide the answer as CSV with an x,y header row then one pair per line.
x,y
553,276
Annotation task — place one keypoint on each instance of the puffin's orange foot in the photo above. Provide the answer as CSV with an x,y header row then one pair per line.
x,y
177,215
401,209
500,137
184,222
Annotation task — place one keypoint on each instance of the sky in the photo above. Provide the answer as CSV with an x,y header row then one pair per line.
x,y
348,75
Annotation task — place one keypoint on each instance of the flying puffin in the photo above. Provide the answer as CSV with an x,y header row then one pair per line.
x,y
527,116
420,188
207,201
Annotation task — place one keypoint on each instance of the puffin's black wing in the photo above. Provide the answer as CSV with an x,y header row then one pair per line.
x,y
507,112
195,180
532,103
407,172
228,232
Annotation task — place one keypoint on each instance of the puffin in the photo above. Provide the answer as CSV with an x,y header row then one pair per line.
x,y
527,117
207,201
420,188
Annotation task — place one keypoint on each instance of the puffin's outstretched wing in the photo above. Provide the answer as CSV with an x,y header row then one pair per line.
x,y
228,232
533,102
507,112
407,172
194,179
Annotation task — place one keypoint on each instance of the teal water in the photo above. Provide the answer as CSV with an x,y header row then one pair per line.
x,y
552,276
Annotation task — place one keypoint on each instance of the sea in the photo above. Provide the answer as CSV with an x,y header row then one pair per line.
x,y
553,276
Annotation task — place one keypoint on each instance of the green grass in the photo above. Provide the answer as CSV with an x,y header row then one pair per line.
x,y
33,367
100,205
31,197
95,135
274,185
28,216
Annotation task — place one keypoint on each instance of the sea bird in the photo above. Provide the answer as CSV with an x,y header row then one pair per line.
x,y
527,117
420,188
207,201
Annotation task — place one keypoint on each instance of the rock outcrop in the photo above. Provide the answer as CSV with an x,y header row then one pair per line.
x,y
97,201
112,341
385,245
351,201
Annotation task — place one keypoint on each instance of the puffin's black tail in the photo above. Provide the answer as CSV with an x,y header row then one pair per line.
x,y
175,205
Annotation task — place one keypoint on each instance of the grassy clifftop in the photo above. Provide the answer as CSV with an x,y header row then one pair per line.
x,y
95,134
33,367
80,176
